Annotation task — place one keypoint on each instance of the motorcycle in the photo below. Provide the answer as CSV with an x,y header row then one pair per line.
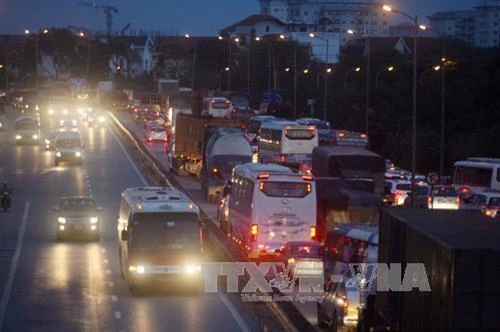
x,y
5,201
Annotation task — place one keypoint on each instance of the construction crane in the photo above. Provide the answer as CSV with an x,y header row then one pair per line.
x,y
108,10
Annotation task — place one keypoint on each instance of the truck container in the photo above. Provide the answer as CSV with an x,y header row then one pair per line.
x,y
185,150
225,148
349,186
461,254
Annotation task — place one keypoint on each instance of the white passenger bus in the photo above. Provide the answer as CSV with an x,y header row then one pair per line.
x,y
160,237
287,142
476,174
269,205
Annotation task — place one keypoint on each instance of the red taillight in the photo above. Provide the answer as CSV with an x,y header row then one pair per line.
x,y
263,176
254,231
215,170
457,200
307,177
341,134
429,199
363,136
165,139
312,232
282,159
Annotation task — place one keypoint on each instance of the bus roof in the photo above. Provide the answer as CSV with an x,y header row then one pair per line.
x,y
485,160
362,232
158,199
281,124
251,170
479,164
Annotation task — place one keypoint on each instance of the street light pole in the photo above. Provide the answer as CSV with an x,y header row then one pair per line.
x,y
443,109
325,96
194,66
36,62
295,81
414,20
368,52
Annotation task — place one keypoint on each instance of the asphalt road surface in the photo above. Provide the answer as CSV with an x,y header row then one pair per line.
x,y
76,286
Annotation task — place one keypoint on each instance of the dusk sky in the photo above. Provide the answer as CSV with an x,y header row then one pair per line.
x,y
198,17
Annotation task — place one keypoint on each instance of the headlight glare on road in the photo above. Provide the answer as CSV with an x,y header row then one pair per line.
x,y
61,220
78,154
18,137
192,269
94,220
58,154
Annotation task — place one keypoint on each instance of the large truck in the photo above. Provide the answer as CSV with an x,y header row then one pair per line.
x,y
349,185
185,150
461,254
223,149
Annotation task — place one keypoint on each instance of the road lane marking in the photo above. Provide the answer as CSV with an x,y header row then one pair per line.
x,y
13,266
236,315
118,315
114,298
143,180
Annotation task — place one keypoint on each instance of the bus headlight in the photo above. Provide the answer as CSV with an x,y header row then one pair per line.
x,y
94,220
78,154
58,154
35,136
61,220
18,137
101,119
192,269
136,268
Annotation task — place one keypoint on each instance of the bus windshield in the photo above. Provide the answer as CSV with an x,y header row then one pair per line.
x,y
166,232
68,143
285,189
26,125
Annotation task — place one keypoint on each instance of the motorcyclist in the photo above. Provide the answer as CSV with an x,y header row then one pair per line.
x,y
5,193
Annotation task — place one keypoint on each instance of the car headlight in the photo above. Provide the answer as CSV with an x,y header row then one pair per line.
x,y
18,137
58,154
138,269
61,220
78,154
35,136
94,220
192,269
47,141
27,106
101,119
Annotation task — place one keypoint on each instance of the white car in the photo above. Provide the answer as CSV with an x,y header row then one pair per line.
x,y
400,190
156,133
443,198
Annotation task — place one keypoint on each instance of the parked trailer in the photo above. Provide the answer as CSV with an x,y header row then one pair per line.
x,y
185,152
461,254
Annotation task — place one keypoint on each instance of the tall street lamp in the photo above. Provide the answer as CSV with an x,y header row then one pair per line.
x,y
37,39
443,97
414,19
327,70
195,52
425,72
346,76
294,76
388,69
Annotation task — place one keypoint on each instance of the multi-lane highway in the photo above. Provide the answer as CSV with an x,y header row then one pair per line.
x,y
76,286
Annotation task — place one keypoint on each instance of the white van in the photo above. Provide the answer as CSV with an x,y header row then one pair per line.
x,y
218,107
268,206
69,148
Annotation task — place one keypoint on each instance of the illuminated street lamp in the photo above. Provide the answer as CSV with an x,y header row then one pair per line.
x,y
346,76
414,20
325,92
443,96
389,69
37,39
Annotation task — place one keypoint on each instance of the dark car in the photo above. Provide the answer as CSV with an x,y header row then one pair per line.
x,y
303,258
78,215
422,193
